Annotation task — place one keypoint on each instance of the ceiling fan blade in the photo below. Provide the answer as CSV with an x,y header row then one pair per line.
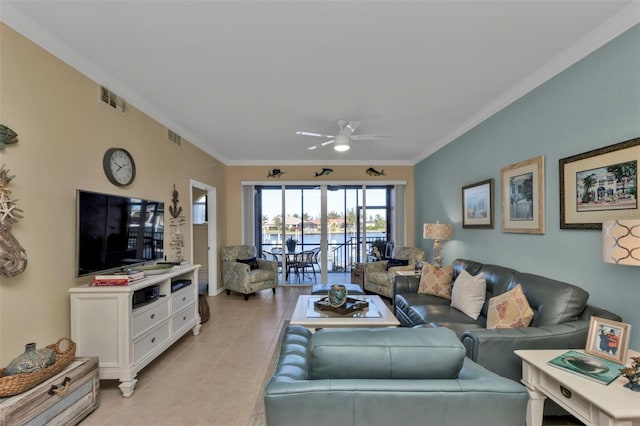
x,y
352,126
317,135
313,147
370,137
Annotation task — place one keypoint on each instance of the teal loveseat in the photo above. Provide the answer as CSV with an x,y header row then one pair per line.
x,y
384,377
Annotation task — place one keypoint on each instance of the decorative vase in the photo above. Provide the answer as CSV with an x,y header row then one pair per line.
x,y
291,245
337,295
31,360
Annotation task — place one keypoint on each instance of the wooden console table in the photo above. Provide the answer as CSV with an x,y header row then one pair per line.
x,y
590,402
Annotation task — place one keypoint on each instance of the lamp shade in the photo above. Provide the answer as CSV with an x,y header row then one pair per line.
x,y
621,242
437,231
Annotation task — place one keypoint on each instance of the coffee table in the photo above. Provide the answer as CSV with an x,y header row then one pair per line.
x,y
377,315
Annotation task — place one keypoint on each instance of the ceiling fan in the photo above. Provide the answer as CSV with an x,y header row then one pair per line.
x,y
344,137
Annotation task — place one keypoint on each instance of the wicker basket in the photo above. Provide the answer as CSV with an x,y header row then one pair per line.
x,y
18,383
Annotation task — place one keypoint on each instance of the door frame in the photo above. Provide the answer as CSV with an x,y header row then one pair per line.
x,y
212,225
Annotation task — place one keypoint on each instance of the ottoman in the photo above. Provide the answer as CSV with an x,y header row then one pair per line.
x,y
323,289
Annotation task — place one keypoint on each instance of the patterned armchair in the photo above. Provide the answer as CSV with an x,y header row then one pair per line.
x,y
378,279
249,277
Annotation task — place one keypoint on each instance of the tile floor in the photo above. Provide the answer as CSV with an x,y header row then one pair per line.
x,y
214,378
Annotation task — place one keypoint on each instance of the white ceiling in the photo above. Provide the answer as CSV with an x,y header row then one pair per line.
x,y
238,78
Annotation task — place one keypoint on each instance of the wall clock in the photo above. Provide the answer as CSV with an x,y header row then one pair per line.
x,y
119,166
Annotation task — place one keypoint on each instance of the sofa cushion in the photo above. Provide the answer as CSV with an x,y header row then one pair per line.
x,y
252,262
470,266
386,353
468,293
554,302
509,310
403,301
436,281
434,315
499,279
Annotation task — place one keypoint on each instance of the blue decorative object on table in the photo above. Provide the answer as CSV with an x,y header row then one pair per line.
x,y
337,295
31,360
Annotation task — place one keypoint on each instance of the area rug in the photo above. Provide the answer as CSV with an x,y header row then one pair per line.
x,y
257,415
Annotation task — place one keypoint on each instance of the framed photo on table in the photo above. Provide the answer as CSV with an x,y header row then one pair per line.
x,y
477,205
523,197
608,339
599,185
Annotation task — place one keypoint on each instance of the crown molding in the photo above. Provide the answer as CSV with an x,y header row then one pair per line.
x,y
604,33
33,31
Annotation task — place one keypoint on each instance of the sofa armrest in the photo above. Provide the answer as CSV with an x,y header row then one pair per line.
x,y
269,265
379,266
406,284
493,348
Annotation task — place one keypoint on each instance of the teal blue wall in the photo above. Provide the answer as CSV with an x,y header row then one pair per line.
x,y
594,103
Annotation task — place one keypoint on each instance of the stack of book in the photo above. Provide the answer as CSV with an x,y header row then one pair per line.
x,y
117,278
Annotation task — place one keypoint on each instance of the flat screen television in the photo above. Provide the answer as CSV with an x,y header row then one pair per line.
x,y
116,232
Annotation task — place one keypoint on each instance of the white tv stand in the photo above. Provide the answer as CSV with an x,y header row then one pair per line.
x,y
104,323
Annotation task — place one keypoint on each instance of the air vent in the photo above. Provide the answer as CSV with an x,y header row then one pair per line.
x,y
174,137
110,99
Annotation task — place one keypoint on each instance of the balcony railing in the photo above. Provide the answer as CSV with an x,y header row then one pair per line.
x,y
341,257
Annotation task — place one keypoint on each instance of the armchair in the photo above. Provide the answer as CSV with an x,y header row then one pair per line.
x,y
240,277
378,279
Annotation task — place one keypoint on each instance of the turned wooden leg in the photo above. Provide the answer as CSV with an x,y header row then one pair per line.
x,y
246,297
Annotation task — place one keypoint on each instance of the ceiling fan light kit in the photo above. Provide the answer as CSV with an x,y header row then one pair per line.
x,y
343,139
342,143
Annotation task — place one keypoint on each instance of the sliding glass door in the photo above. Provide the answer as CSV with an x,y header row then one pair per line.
x,y
339,223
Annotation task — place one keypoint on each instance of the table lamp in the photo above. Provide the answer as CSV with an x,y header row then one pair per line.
x,y
438,232
621,242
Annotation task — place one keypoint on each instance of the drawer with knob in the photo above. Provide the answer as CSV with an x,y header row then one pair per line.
x,y
567,397
149,316
182,298
184,319
151,341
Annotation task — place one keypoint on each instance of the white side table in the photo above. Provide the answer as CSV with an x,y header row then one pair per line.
x,y
590,402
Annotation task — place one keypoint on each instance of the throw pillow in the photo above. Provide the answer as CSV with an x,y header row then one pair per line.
x,y
436,281
253,262
391,262
509,310
468,293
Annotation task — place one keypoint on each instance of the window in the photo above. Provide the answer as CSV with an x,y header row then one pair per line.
x,y
200,215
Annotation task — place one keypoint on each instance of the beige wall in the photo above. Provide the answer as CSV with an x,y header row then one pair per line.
x,y
63,132
237,174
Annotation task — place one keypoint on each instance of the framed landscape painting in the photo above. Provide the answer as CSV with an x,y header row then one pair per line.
x,y
477,205
523,197
599,185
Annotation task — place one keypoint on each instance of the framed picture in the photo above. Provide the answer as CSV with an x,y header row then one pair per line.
x,y
523,197
608,339
477,205
599,185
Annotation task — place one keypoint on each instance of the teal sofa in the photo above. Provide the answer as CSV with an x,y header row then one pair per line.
x,y
384,377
